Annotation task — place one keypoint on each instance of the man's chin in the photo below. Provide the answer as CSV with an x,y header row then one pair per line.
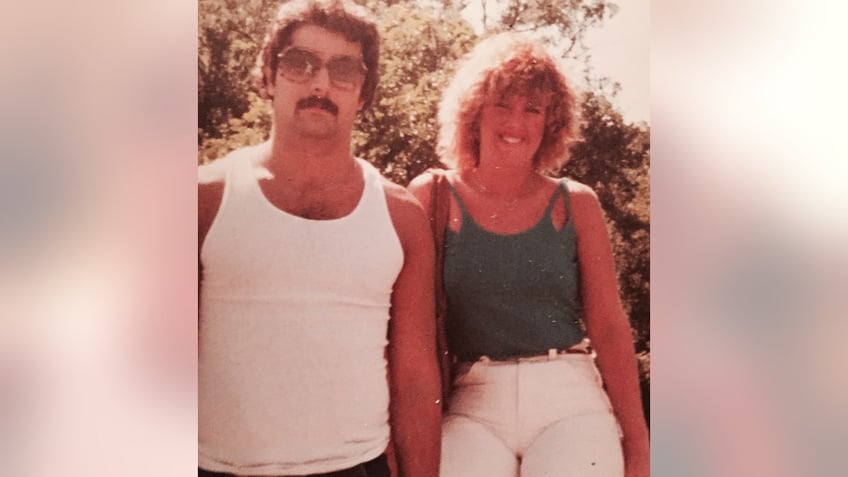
x,y
315,130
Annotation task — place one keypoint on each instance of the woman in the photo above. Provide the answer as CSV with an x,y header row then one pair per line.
x,y
530,282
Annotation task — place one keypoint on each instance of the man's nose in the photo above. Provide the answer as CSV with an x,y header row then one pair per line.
x,y
320,83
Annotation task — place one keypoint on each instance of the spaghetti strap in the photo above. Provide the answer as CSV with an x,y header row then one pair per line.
x,y
458,201
552,202
563,186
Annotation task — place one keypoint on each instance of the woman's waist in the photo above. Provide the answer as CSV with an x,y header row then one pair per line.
x,y
511,338
582,347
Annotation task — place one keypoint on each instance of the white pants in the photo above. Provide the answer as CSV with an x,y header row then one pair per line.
x,y
530,417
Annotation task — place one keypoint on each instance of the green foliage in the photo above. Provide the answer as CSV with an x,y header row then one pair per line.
x,y
230,33
570,18
419,52
564,23
250,128
419,49
614,159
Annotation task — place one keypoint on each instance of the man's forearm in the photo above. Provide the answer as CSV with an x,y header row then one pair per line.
x,y
416,423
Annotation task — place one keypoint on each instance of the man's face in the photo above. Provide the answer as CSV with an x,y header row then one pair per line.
x,y
316,89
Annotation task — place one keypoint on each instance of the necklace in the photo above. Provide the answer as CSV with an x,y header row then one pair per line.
x,y
508,205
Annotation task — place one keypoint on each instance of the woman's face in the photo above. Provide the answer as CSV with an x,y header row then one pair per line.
x,y
511,128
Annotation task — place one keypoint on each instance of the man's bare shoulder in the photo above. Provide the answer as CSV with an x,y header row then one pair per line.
x,y
401,200
422,186
423,181
408,216
211,178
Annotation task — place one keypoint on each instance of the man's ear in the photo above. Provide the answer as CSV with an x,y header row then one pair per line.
x,y
360,104
268,81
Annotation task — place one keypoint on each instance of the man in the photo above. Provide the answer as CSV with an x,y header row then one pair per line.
x,y
308,259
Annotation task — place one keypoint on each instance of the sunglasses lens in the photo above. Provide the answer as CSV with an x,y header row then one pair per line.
x,y
298,65
345,72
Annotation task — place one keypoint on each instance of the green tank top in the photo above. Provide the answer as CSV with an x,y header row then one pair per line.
x,y
512,295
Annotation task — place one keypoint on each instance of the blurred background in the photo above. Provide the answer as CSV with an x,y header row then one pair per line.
x,y
97,238
101,134
750,221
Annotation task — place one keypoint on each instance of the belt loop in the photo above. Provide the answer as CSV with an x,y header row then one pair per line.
x,y
552,353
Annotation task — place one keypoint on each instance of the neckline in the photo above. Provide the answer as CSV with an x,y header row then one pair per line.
x,y
366,179
547,214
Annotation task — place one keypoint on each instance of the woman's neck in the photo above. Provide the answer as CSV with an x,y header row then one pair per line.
x,y
504,181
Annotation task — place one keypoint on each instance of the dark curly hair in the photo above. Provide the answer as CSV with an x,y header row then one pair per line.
x,y
354,22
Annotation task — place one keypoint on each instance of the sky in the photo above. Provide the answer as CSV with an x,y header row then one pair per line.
x,y
619,49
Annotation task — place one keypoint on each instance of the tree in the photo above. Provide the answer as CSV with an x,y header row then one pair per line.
x,y
614,159
229,38
419,52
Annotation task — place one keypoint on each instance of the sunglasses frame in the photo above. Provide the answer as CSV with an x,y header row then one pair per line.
x,y
322,64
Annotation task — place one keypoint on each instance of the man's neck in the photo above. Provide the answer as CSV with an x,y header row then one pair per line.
x,y
306,160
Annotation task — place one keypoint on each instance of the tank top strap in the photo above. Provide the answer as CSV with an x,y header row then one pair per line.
x,y
243,179
458,200
553,200
563,187
370,174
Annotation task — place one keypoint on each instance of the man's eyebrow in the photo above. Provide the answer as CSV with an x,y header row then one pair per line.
x,y
322,54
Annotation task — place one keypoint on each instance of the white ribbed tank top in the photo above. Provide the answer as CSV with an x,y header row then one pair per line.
x,y
293,323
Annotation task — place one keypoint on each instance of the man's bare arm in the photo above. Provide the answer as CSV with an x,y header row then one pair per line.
x,y
415,387
209,198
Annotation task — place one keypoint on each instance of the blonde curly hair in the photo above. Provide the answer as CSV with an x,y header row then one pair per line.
x,y
501,65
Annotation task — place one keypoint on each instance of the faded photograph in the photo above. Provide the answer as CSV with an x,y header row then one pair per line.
x,y
494,318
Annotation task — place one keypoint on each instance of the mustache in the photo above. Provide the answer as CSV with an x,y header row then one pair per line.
x,y
319,102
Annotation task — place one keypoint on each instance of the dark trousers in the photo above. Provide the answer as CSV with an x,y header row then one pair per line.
x,y
378,467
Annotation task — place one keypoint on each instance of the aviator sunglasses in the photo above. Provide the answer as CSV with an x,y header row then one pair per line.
x,y
299,65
